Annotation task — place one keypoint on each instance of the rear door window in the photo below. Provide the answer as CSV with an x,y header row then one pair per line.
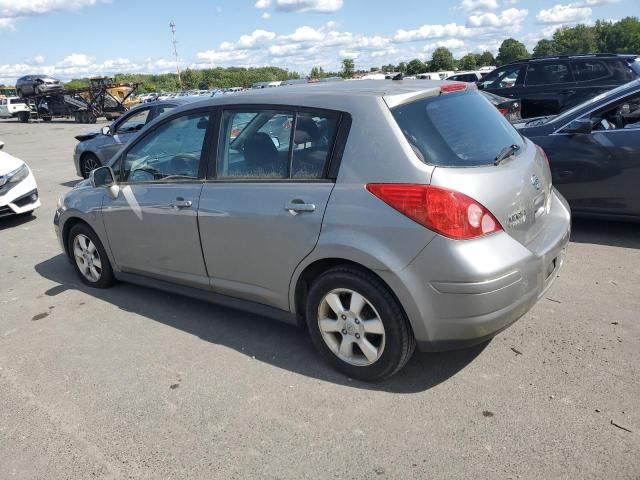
x,y
586,70
275,144
456,129
547,73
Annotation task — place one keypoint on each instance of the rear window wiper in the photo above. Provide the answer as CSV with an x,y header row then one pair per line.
x,y
505,153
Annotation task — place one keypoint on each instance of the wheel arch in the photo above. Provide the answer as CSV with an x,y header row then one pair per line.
x,y
314,269
66,229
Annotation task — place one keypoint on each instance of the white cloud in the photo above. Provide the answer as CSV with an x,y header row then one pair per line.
x,y
263,4
38,59
571,13
321,6
266,15
508,18
473,6
349,54
6,24
76,60
305,34
23,8
426,32
451,44
255,39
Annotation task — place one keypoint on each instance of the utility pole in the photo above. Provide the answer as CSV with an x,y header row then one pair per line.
x,y
172,26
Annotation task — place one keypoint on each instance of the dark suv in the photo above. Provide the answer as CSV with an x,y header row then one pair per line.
x,y
549,85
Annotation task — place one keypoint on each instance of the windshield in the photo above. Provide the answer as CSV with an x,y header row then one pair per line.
x,y
456,129
606,95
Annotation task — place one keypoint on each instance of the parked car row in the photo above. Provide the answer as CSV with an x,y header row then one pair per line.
x,y
285,206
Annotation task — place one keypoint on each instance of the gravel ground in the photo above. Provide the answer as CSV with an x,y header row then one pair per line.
x,y
134,383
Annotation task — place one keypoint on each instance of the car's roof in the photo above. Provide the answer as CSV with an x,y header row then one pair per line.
x,y
587,56
169,101
394,92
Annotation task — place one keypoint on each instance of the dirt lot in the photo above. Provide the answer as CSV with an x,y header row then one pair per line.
x,y
133,383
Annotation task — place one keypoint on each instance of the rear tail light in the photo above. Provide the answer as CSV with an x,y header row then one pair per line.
x,y
453,87
503,111
445,211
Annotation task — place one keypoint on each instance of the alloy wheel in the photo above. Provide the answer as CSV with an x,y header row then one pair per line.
x,y
89,164
351,327
87,258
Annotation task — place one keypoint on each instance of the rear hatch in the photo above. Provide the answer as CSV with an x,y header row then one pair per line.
x,y
462,134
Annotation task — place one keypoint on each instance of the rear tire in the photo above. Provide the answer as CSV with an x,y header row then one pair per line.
x,y
24,117
19,93
370,339
89,257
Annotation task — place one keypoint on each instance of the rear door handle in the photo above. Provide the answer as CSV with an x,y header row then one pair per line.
x,y
295,207
180,203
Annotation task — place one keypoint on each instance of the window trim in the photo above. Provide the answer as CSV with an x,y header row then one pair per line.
x,y
204,153
334,155
567,64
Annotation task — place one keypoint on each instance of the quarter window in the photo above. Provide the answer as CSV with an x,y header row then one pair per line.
x,y
134,123
275,144
171,153
547,73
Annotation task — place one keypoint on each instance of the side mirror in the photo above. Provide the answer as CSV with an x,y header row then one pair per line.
x,y
1,145
579,126
106,130
101,177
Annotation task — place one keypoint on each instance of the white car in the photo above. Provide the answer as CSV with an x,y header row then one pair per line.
x,y
12,106
18,189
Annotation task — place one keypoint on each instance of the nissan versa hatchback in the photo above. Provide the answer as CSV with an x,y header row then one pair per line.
x,y
380,215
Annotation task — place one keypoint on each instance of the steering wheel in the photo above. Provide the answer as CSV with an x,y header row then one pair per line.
x,y
179,165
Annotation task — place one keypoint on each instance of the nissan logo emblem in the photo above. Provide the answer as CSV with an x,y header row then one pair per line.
x,y
535,181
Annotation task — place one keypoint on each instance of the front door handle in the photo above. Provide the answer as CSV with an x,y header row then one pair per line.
x,y
180,203
295,207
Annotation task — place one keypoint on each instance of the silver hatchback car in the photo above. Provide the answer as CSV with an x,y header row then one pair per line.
x,y
381,215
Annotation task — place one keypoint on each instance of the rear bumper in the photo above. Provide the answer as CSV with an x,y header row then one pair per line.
x,y
459,293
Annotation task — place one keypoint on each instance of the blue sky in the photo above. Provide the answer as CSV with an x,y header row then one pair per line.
x,y
73,38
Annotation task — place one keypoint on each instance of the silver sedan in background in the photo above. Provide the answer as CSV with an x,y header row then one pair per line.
x,y
96,148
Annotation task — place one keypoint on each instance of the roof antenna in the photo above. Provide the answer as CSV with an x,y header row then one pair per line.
x,y
398,77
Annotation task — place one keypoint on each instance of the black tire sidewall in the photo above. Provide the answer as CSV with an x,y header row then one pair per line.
x,y
106,278
398,336
83,164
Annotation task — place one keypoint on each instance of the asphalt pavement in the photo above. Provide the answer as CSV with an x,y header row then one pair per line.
x,y
134,383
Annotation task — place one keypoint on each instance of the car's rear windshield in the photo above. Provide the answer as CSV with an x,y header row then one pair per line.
x,y
461,129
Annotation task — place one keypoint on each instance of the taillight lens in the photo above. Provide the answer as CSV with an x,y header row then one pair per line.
x,y
503,111
445,211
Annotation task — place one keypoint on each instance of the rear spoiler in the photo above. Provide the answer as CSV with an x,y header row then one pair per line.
x,y
442,87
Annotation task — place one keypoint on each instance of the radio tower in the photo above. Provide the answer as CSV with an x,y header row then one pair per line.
x,y
172,26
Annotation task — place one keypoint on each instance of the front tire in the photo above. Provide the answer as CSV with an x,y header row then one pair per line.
x,y
357,325
89,257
